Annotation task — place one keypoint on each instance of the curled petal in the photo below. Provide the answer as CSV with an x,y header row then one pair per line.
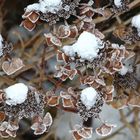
x,y
52,40
40,129
85,132
27,24
53,101
2,116
47,120
73,32
3,126
67,102
10,67
34,17
104,130
11,133
65,95
63,31
76,136
3,134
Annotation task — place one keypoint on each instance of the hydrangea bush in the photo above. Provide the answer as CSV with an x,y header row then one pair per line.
x,y
91,69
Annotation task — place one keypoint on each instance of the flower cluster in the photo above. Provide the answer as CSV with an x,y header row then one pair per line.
x,y
51,12
17,102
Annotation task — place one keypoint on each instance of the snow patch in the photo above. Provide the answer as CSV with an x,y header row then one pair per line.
x,y
136,23
45,6
118,3
86,47
88,97
16,94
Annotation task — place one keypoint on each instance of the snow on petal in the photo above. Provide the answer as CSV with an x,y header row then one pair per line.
x,y
88,97
86,47
118,3
16,94
45,6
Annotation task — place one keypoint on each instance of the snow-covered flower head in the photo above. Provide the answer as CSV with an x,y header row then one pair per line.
x,y
136,23
86,47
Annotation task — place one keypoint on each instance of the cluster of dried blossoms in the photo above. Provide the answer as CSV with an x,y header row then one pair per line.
x,y
84,56
17,102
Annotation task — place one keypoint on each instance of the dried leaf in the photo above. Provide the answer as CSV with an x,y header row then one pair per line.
x,y
67,102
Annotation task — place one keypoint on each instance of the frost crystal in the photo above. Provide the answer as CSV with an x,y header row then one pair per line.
x,y
118,3
1,45
45,6
88,97
136,23
86,47
16,94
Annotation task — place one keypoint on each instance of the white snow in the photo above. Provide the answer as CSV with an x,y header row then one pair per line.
x,y
45,6
1,45
118,3
16,94
88,97
123,70
136,23
86,47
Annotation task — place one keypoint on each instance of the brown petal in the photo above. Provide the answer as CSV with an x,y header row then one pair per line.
x,y
73,32
63,31
11,133
85,133
104,130
40,130
2,116
67,102
72,74
53,101
10,67
52,40
27,24
26,15
64,77
59,56
3,134
76,136
65,58
33,17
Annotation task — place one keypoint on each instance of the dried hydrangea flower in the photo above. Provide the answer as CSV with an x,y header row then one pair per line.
x,y
120,5
41,125
22,101
90,103
8,129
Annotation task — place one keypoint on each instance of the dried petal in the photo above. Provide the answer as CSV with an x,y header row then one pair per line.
x,y
47,120
2,116
11,133
27,24
76,136
67,102
3,134
10,67
40,129
104,130
34,17
53,101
